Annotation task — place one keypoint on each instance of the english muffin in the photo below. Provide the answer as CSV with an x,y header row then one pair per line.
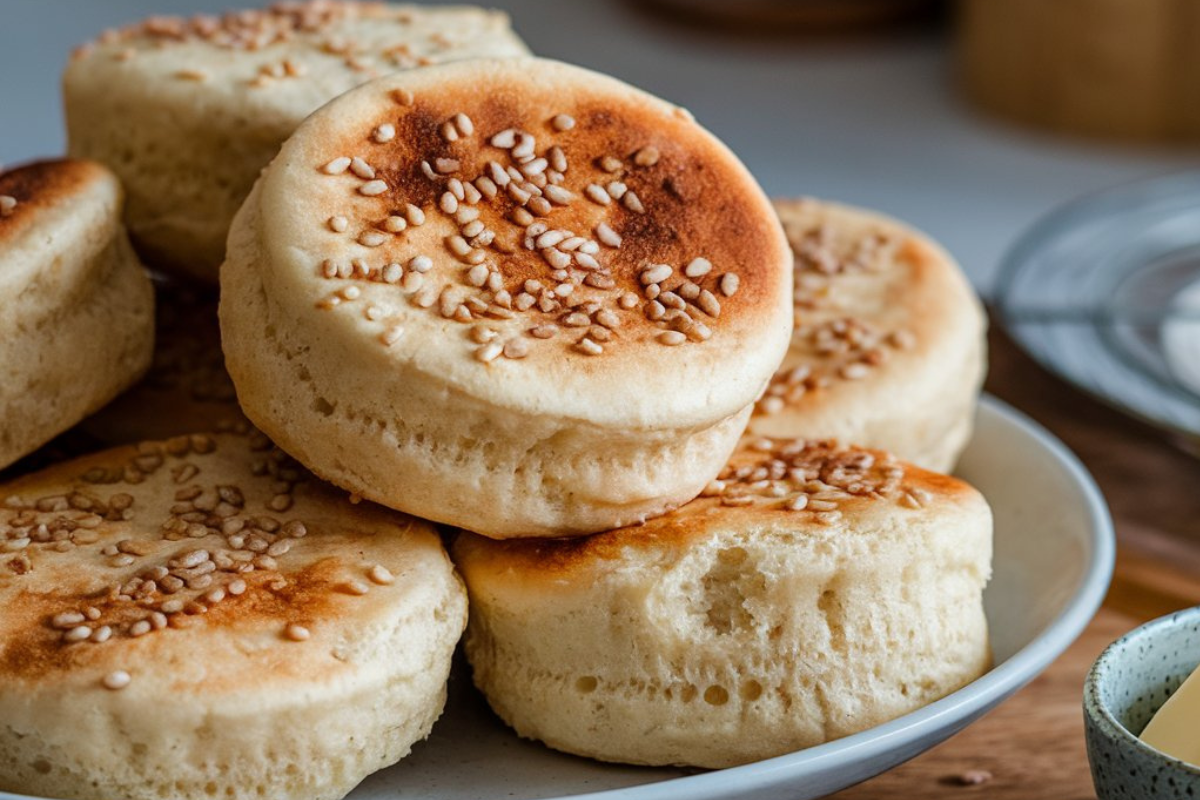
x,y
188,111
889,345
511,295
77,319
186,388
812,592
200,618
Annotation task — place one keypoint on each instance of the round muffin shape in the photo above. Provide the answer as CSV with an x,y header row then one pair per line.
x,y
889,346
201,618
77,325
812,592
572,346
233,88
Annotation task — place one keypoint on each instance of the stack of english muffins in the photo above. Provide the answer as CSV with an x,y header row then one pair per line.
x,y
686,446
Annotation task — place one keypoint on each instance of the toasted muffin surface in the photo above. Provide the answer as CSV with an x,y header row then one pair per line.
x,y
813,592
225,618
888,346
514,367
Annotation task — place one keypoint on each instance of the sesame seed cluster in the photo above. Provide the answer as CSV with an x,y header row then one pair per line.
x,y
834,346
313,23
212,548
503,192
815,476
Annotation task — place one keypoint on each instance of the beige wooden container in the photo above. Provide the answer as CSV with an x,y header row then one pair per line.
x,y
1126,69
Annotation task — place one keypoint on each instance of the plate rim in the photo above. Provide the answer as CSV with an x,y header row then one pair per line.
x,y
967,703
1104,202
958,708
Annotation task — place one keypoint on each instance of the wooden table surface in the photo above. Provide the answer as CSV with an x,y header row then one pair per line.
x,y
1031,747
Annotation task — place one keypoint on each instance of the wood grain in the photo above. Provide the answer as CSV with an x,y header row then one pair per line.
x,y
1032,746
1124,69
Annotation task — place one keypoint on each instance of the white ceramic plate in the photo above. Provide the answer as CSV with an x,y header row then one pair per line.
x,y
1053,560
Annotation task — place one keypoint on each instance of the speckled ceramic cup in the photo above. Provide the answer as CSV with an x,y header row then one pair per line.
x,y
1128,683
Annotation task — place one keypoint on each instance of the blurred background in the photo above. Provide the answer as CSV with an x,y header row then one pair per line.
x,y
853,100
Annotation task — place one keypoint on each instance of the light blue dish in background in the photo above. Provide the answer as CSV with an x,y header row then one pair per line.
x,y
1129,682
1054,553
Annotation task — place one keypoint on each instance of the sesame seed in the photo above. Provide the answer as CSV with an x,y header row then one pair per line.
x,y
616,190
540,206
395,224
672,338
697,268
588,347
117,680
466,214
236,587
607,235
102,634
608,319
381,575
338,224
371,238
543,331
534,167
372,188
350,293
709,304
524,147
486,186
558,195
472,229
610,164
414,215
362,169
558,159
296,633
646,157
597,194
464,124
77,634
656,273
458,245
384,133
449,131
428,171
391,335
477,275
67,619
402,96
139,628
729,284
586,261
632,202
356,588
448,203
421,264
337,166
471,194
655,310
516,348
505,139
446,165
556,258
192,75
562,122
488,352
498,174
